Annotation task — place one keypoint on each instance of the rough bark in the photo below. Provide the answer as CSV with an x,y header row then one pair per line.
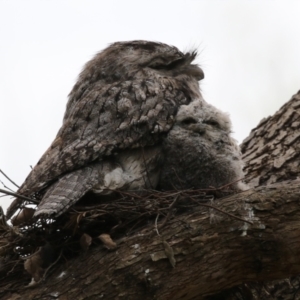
x,y
272,154
272,150
209,257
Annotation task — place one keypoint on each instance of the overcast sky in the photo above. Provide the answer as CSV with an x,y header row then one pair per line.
x,y
249,51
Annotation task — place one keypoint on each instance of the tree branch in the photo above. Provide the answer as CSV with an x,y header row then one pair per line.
x,y
209,257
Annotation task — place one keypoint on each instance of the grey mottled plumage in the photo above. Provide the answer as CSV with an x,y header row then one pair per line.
x,y
135,119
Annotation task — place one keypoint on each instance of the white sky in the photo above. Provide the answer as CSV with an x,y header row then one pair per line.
x,y
249,51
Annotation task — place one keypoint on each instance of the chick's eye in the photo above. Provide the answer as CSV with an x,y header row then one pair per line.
x,y
212,123
189,121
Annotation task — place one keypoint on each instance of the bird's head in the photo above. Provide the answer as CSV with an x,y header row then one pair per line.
x,y
123,61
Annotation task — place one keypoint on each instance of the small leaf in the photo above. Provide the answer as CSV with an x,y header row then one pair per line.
x,y
107,241
24,216
33,265
169,253
85,241
38,264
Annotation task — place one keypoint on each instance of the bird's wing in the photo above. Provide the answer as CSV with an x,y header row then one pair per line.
x,y
108,119
71,187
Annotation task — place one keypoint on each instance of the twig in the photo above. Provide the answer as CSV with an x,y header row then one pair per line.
x,y
156,229
54,263
222,211
18,196
9,178
13,268
228,184
6,187
168,215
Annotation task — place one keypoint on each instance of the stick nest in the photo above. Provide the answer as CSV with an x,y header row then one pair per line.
x,y
90,221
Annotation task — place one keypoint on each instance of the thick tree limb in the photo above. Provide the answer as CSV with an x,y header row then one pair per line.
x,y
272,150
209,257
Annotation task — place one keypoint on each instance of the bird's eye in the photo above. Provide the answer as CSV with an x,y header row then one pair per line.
x,y
212,123
188,121
157,64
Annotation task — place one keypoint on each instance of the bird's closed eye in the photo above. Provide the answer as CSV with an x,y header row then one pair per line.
x,y
188,121
160,64
212,123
